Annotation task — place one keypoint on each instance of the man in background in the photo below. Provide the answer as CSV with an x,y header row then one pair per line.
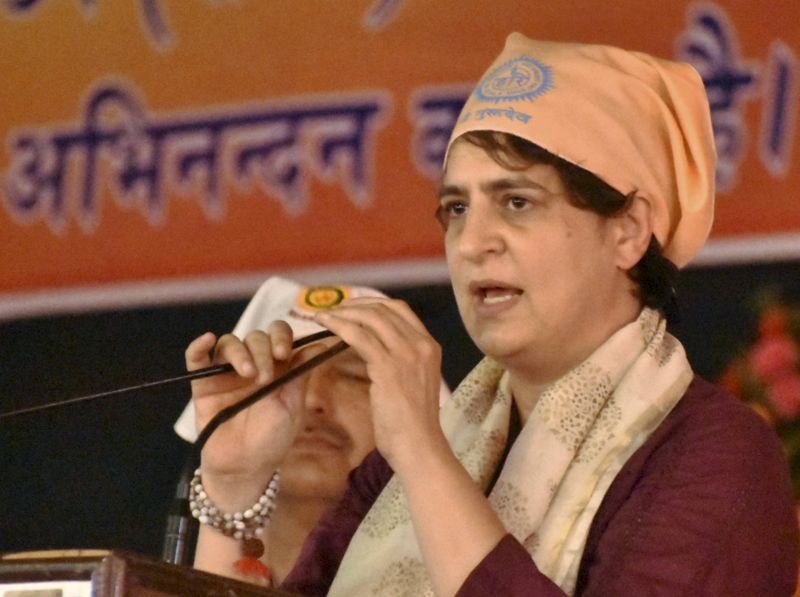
x,y
337,430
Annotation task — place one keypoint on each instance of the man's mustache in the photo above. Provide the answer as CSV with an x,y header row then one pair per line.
x,y
327,431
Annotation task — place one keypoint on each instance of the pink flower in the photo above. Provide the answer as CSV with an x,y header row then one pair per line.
x,y
774,322
784,396
773,357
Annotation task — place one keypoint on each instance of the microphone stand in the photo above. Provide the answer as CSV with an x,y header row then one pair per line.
x,y
180,527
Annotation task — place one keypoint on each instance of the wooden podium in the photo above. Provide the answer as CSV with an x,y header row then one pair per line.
x,y
97,573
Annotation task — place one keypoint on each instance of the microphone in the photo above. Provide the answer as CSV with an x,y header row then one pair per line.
x,y
177,545
189,376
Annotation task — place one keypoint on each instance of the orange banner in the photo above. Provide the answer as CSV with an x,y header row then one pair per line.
x,y
153,141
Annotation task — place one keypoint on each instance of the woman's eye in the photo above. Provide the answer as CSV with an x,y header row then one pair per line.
x,y
450,210
455,208
518,203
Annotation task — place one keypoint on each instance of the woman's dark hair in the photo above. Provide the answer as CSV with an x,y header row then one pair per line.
x,y
655,276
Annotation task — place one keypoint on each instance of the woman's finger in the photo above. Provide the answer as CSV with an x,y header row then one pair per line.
x,y
375,319
198,353
351,328
260,346
400,308
230,349
281,337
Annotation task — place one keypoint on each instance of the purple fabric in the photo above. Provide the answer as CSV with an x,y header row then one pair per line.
x,y
324,549
704,507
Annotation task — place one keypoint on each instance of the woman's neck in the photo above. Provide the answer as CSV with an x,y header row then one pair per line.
x,y
528,380
525,397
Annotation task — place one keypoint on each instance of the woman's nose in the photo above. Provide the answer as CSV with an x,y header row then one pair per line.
x,y
479,234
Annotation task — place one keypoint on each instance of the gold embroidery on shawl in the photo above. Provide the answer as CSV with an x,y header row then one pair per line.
x,y
663,351
601,432
474,398
649,326
482,457
406,578
393,508
568,408
510,504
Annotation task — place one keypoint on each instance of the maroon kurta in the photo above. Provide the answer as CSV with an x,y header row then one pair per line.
x,y
704,507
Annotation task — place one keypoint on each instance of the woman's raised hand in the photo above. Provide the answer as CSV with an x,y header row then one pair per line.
x,y
242,453
404,366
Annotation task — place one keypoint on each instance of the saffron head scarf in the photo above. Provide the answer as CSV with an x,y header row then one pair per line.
x,y
637,122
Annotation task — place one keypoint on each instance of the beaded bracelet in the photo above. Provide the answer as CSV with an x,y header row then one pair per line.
x,y
246,524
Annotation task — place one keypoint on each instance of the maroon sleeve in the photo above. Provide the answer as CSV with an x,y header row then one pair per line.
x,y
325,546
508,571
703,508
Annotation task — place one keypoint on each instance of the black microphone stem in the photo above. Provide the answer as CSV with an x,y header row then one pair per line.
x,y
188,376
179,529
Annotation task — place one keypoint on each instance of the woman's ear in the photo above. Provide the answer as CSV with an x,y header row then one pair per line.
x,y
634,230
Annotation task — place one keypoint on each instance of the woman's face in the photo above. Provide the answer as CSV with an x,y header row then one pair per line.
x,y
535,277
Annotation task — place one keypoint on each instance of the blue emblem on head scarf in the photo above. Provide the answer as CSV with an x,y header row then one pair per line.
x,y
522,78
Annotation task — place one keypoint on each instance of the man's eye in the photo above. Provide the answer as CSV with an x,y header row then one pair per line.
x,y
352,374
354,377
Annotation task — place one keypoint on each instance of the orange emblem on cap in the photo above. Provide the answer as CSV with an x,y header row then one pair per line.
x,y
324,297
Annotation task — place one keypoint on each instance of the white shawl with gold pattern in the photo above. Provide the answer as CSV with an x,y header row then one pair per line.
x,y
582,430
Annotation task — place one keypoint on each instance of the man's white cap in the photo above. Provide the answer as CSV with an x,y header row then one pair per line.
x,y
281,298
